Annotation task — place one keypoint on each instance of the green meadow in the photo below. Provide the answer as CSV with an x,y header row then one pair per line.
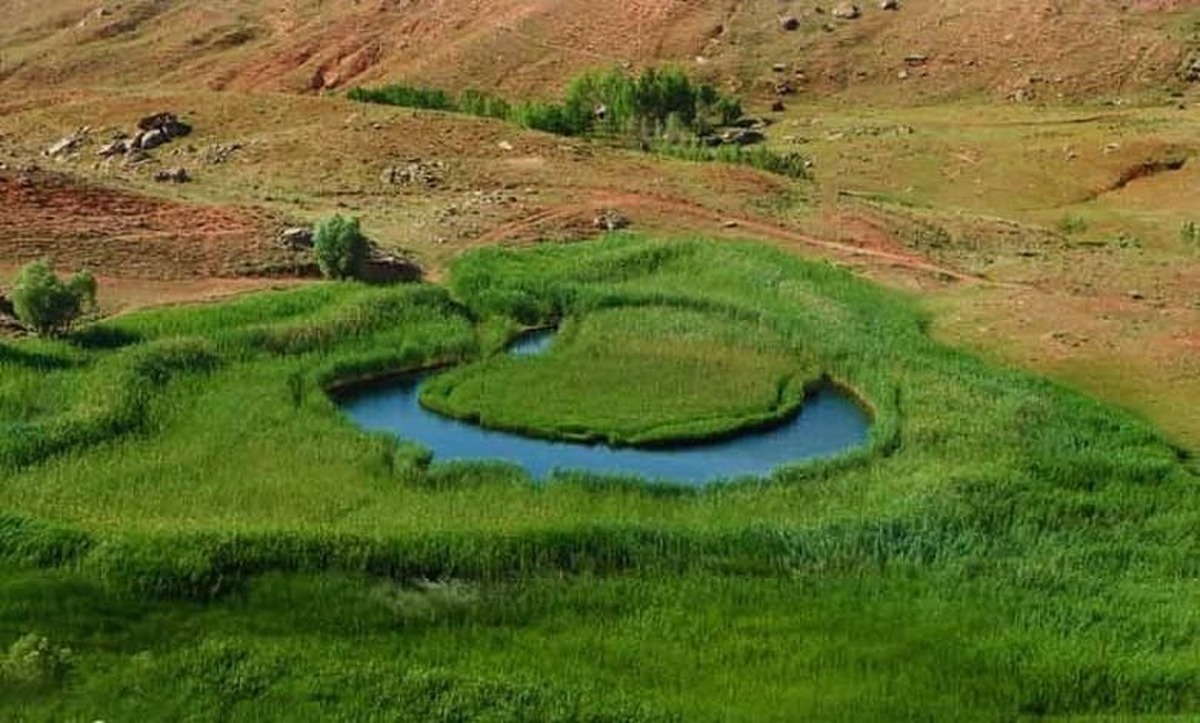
x,y
189,527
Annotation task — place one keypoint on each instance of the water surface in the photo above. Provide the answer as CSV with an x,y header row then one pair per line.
x,y
829,423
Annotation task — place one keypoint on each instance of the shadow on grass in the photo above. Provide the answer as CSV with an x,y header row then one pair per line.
x,y
102,338
32,359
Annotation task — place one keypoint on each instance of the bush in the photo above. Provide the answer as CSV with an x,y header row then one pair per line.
x,y
34,660
405,96
1189,233
45,303
1072,224
340,248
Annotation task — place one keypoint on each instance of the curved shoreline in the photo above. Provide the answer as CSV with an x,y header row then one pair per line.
x,y
355,385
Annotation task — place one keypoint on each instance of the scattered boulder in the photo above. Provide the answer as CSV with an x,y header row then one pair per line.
x,y
67,144
296,239
157,121
176,129
778,107
789,23
219,154
149,140
1190,70
743,136
172,175
118,147
847,11
415,173
610,220
889,4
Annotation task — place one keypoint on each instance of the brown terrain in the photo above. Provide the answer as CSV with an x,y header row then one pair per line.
x,y
1023,168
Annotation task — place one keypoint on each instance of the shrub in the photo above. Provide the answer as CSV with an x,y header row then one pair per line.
x,y
340,247
483,104
34,660
1189,233
48,305
1072,224
405,96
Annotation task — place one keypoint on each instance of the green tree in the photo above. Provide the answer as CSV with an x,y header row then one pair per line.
x,y
48,305
340,247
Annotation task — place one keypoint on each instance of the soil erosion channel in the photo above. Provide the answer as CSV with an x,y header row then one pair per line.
x,y
829,423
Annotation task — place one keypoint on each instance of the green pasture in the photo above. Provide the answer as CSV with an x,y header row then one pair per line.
x,y
184,508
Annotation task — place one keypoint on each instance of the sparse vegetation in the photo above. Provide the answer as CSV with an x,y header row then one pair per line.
x,y
1189,233
46,303
1072,224
792,165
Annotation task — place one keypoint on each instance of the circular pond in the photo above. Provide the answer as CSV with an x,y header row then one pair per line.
x,y
829,423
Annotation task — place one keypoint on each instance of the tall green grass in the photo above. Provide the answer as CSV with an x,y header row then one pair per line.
x,y
187,510
642,375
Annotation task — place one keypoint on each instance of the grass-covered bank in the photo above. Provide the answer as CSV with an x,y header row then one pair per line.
x,y
1004,548
643,375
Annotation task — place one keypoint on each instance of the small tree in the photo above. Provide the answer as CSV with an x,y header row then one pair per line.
x,y
46,304
340,247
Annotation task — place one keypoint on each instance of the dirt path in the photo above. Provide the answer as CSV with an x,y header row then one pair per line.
x,y
658,205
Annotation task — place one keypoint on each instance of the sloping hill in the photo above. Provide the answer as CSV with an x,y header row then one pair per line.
x,y
309,45
945,48
939,49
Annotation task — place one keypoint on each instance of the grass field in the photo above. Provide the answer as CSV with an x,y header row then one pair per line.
x,y
187,511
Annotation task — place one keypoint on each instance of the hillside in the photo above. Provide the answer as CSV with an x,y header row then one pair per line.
x,y
1045,50
1016,146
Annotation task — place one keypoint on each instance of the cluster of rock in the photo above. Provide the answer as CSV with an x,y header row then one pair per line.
x,y
747,131
152,132
1190,69
9,324
173,175
610,220
221,153
841,11
415,172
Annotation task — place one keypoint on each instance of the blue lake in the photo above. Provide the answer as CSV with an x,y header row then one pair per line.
x,y
829,423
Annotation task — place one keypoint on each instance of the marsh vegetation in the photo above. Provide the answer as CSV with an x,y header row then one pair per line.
x,y
188,513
